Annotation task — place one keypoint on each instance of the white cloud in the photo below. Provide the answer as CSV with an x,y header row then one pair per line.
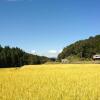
x,y
33,52
49,53
60,50
52,51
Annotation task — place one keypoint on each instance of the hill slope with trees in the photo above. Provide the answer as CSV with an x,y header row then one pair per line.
x,y
16,57
82,49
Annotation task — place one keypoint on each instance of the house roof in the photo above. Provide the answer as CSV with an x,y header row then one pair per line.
x,y
96,56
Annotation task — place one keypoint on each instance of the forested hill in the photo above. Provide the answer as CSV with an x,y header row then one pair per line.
x,y
83,48
15,57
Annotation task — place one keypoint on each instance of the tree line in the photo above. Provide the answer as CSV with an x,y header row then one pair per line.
x,y
16,57
82,49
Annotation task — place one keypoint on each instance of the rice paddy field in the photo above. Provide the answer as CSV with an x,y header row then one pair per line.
x,y
51,82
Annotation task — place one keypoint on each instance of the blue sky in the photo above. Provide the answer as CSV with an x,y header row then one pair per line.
x,y
46,26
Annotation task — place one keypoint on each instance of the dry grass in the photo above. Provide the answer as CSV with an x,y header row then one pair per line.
x,y
51,82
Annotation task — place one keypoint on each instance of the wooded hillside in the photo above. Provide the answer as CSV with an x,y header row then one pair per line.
x,y
16,57
83,48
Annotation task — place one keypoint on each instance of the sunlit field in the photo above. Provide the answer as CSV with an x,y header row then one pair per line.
x,y
51,82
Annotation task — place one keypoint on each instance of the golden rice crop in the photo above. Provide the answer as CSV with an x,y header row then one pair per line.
x,y
51,82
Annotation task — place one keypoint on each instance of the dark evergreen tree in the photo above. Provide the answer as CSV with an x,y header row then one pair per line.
x,y
16,57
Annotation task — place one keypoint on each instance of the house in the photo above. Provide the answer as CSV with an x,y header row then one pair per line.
x,y
96,57
64,61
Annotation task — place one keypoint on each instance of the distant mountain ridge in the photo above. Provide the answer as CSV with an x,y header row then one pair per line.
x,y
82,48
